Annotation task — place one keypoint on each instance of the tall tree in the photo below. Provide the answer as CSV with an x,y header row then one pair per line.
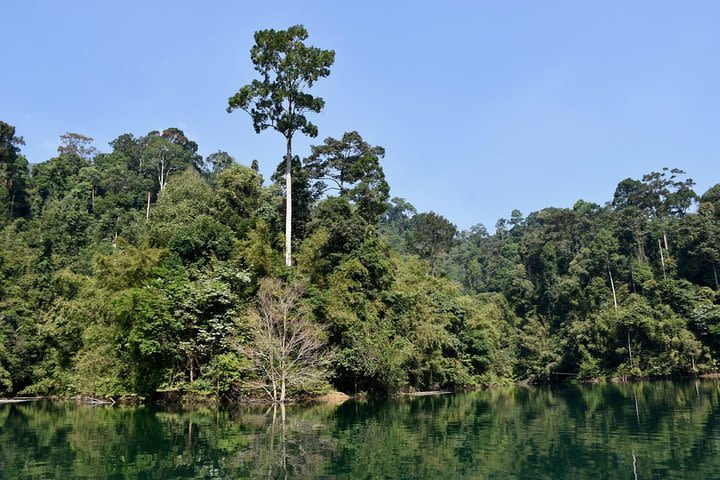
x,y
13,173
302,193
396,220
430,236
177,137
217,162
164,157
351,166
279,99
77,144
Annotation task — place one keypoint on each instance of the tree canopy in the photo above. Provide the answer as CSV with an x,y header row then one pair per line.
x,y
145,270
279,99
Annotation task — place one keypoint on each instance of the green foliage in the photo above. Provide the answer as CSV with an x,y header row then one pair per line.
x,y
147,270
120,283
187,196
13,175
240,196
605,291
164,155
302,196
351,167
430,236
287,68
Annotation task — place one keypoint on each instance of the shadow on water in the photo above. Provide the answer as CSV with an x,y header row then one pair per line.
x,y
647,430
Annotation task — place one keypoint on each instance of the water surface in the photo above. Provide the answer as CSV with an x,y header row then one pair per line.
x,y
650,430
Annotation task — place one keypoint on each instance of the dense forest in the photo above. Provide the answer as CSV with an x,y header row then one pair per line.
x,y
147,269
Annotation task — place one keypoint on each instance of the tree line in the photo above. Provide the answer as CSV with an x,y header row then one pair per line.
x,y
628,288
147,269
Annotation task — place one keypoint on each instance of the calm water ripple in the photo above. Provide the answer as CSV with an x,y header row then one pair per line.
x,y
649,430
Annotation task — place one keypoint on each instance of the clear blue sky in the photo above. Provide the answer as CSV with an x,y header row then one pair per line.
x,y
482,106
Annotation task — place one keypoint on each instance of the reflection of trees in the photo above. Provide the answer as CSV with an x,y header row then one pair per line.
x,y
108,442
586,431
563,432
292,443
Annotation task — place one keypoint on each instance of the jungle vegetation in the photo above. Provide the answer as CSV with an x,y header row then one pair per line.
x,y
145,268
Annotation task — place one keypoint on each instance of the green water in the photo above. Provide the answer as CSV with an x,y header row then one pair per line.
x,y
645,430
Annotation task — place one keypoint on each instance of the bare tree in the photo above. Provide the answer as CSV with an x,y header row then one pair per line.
x,y
287,347
286,445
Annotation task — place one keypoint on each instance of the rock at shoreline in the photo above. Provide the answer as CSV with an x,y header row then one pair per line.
x,y
333,398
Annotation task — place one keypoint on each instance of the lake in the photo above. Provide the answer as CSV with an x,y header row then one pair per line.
x,y
646,430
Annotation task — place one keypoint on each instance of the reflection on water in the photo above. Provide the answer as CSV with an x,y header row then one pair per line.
x,y
651,430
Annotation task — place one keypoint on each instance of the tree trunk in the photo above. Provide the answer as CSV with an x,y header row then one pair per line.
x,y
282,389
288,203
284,453
662,260
717,286
641,250
12,207
665,240
116,233
637,409
271,465
147,211
189,441
161,178
612,285
283,360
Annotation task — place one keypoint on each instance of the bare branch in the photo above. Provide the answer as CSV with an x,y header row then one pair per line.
x,y
287,346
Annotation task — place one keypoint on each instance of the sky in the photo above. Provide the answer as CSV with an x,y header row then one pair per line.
x,y
482,106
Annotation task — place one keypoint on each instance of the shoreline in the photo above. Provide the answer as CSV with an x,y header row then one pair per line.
x,y
331,398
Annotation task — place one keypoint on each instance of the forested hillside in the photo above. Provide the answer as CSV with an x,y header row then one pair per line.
x,y
144,268
628,288
148,269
